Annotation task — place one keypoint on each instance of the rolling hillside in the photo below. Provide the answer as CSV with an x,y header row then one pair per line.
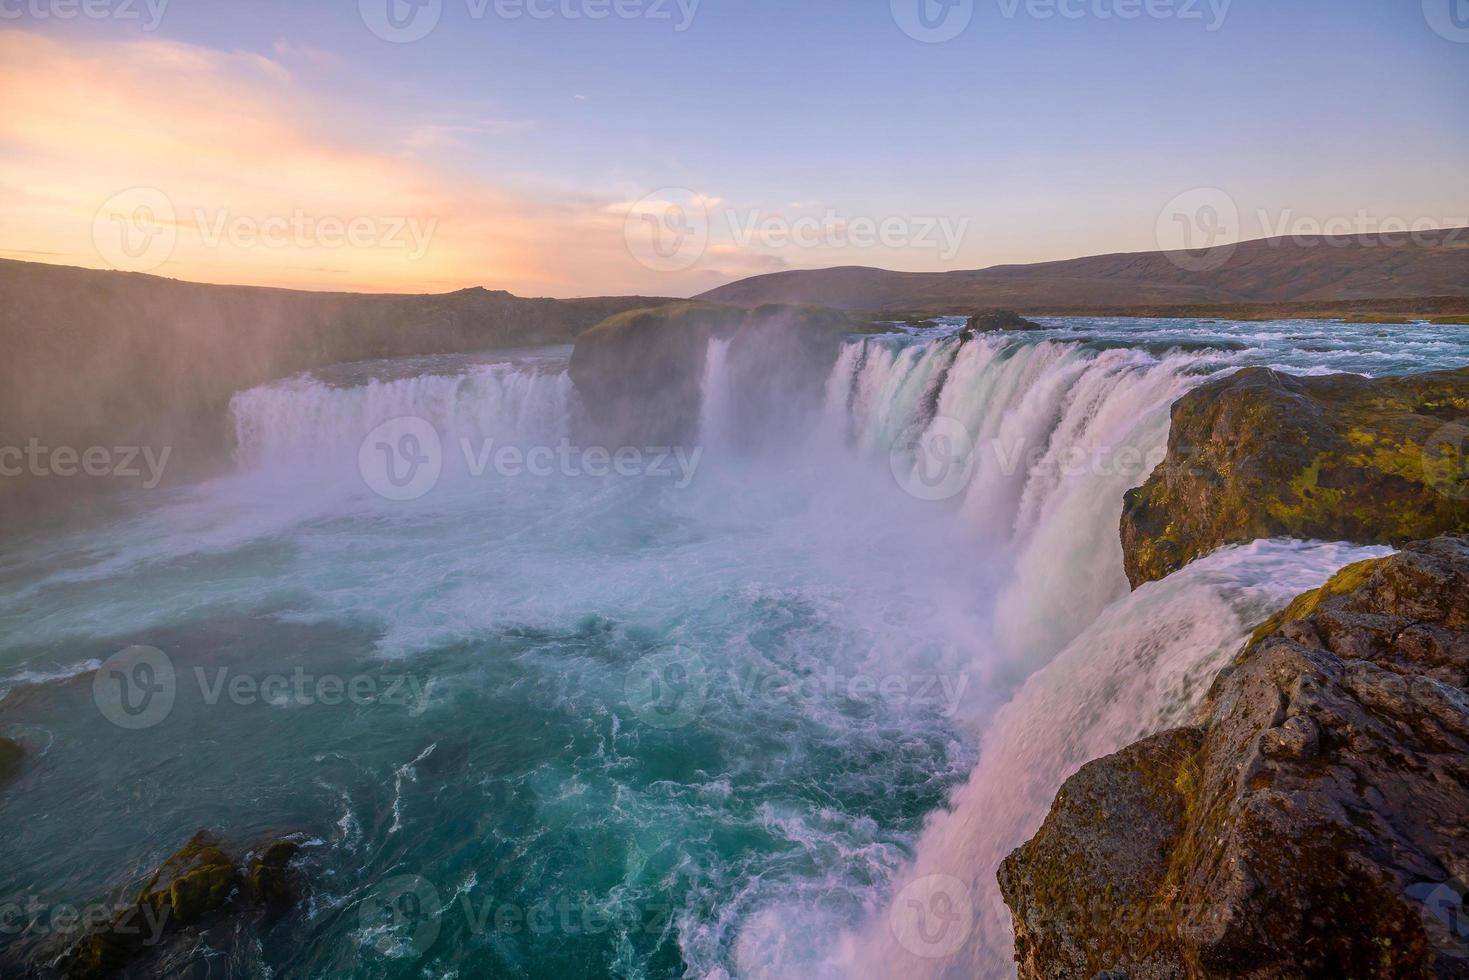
x,y
1267,272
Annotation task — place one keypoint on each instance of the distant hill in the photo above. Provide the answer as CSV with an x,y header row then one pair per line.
x,y
94,358
1267,272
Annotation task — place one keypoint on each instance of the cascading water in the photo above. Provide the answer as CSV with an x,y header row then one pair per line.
x,y
308,421
1138,669
716,405
911,629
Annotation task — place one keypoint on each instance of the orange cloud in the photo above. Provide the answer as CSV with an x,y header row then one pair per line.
x,y
205,165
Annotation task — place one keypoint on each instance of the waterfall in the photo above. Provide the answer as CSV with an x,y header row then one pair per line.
x,y
1056,433
1042,438
716,424
304,421
1138,669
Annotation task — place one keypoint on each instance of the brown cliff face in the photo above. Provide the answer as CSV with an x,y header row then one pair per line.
x,y
1340,458
1316,822
1428,271
119,359
640,373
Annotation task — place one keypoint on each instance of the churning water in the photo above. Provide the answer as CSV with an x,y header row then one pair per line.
x,y
715,713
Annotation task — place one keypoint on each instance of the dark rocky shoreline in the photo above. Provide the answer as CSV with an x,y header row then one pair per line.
x,y
1312,821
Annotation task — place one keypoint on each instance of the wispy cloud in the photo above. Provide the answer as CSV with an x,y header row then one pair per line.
x,y
234,135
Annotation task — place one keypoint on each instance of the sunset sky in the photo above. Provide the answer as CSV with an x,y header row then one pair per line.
x,y
282,142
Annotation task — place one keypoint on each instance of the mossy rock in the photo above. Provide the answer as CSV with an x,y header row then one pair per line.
x,y
11,755
269,880
1344,458
1315,822
995,320
198,886
640,373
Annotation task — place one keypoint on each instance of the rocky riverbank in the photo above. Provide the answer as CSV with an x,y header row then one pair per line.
x,y
640,373
1262,454
1315,823
1312,822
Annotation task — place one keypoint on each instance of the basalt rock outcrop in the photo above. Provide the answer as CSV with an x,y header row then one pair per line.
x,y
1315,823
994,320
201,886
640,374
1343,458
11,755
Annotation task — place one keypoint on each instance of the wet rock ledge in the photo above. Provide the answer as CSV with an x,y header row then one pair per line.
x,y
1315,823
204,885
1344,458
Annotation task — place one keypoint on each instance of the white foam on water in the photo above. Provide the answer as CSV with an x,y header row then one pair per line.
x,y
1137,670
